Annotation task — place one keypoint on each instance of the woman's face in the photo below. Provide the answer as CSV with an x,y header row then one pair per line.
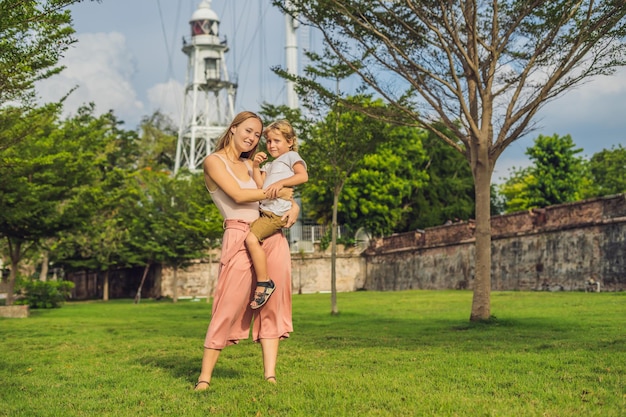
x,y
246,135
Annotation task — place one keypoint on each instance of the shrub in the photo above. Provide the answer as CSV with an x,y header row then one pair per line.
x,y
45,294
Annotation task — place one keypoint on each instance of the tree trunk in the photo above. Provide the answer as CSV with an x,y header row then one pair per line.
x,y
105,287
43,275
333,256
481,169
143,279
175,285
15,249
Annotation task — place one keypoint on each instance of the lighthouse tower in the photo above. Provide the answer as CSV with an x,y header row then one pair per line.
x,y
208,105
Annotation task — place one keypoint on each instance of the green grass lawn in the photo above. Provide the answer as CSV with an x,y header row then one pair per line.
x,y
410,353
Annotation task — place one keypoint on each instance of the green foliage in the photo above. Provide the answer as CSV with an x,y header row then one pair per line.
x,y
388,354
170,220
45,294
556,176
380,193
101,242
74,186
346,238
45,178
607,169
498,203
33,37
373,168
448,193
157,142
515,191
411,180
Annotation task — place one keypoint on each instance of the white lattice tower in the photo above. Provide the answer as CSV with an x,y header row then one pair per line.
x,y
208,105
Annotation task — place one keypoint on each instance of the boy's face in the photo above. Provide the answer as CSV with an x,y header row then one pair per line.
x,y
276,144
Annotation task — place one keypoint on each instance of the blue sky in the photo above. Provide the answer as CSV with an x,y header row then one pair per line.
x,y
128,58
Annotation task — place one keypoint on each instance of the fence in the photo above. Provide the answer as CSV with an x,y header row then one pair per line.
x,y
302,238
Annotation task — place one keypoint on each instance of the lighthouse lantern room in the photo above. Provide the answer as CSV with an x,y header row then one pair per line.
x,y
209,95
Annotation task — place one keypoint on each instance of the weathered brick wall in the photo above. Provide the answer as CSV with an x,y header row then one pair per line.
x,y
557,247
196,280
310,273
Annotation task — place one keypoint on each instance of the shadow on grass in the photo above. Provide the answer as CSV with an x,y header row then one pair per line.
x,y
187,368
356,330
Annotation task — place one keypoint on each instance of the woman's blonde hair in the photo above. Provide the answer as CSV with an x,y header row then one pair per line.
x,y
226,137
285,129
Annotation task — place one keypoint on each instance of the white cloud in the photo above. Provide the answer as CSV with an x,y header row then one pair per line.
x,y
102,67
167,98
594,103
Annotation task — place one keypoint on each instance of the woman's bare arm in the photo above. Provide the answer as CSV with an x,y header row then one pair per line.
x,y
216,176
300,176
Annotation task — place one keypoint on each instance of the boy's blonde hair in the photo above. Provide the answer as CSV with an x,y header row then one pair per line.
x,y
285,129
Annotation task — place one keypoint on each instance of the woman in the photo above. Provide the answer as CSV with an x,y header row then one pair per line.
x,y
228,178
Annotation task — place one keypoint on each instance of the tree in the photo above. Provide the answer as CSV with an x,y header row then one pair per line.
x,y
193,222
157,142
334,151
100,243
170,221
558,171
608,171
449,192
515,190
33,37
42,181
555,177
481,69
379,192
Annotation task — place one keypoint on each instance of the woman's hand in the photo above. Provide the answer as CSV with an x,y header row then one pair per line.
x,y
285,193
292,215
273,190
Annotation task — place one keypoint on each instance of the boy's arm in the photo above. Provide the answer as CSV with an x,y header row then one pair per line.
x,y
257,175
300,176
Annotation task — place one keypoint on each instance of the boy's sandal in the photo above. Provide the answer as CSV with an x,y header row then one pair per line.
x,y
271,379
260,298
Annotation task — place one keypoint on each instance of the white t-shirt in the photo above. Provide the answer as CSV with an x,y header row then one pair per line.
x,y
279,169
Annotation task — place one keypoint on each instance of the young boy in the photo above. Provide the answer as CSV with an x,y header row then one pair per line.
x,y
288,169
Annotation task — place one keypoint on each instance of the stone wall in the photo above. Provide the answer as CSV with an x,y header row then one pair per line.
x,y
310,274
14,312
559,247
197,280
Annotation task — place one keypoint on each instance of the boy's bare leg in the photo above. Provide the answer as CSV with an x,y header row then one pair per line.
x,y
265,286
259,261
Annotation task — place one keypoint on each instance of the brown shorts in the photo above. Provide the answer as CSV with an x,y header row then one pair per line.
x,y
266,225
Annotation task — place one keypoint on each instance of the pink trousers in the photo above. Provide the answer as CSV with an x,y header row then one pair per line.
x,y
232,316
